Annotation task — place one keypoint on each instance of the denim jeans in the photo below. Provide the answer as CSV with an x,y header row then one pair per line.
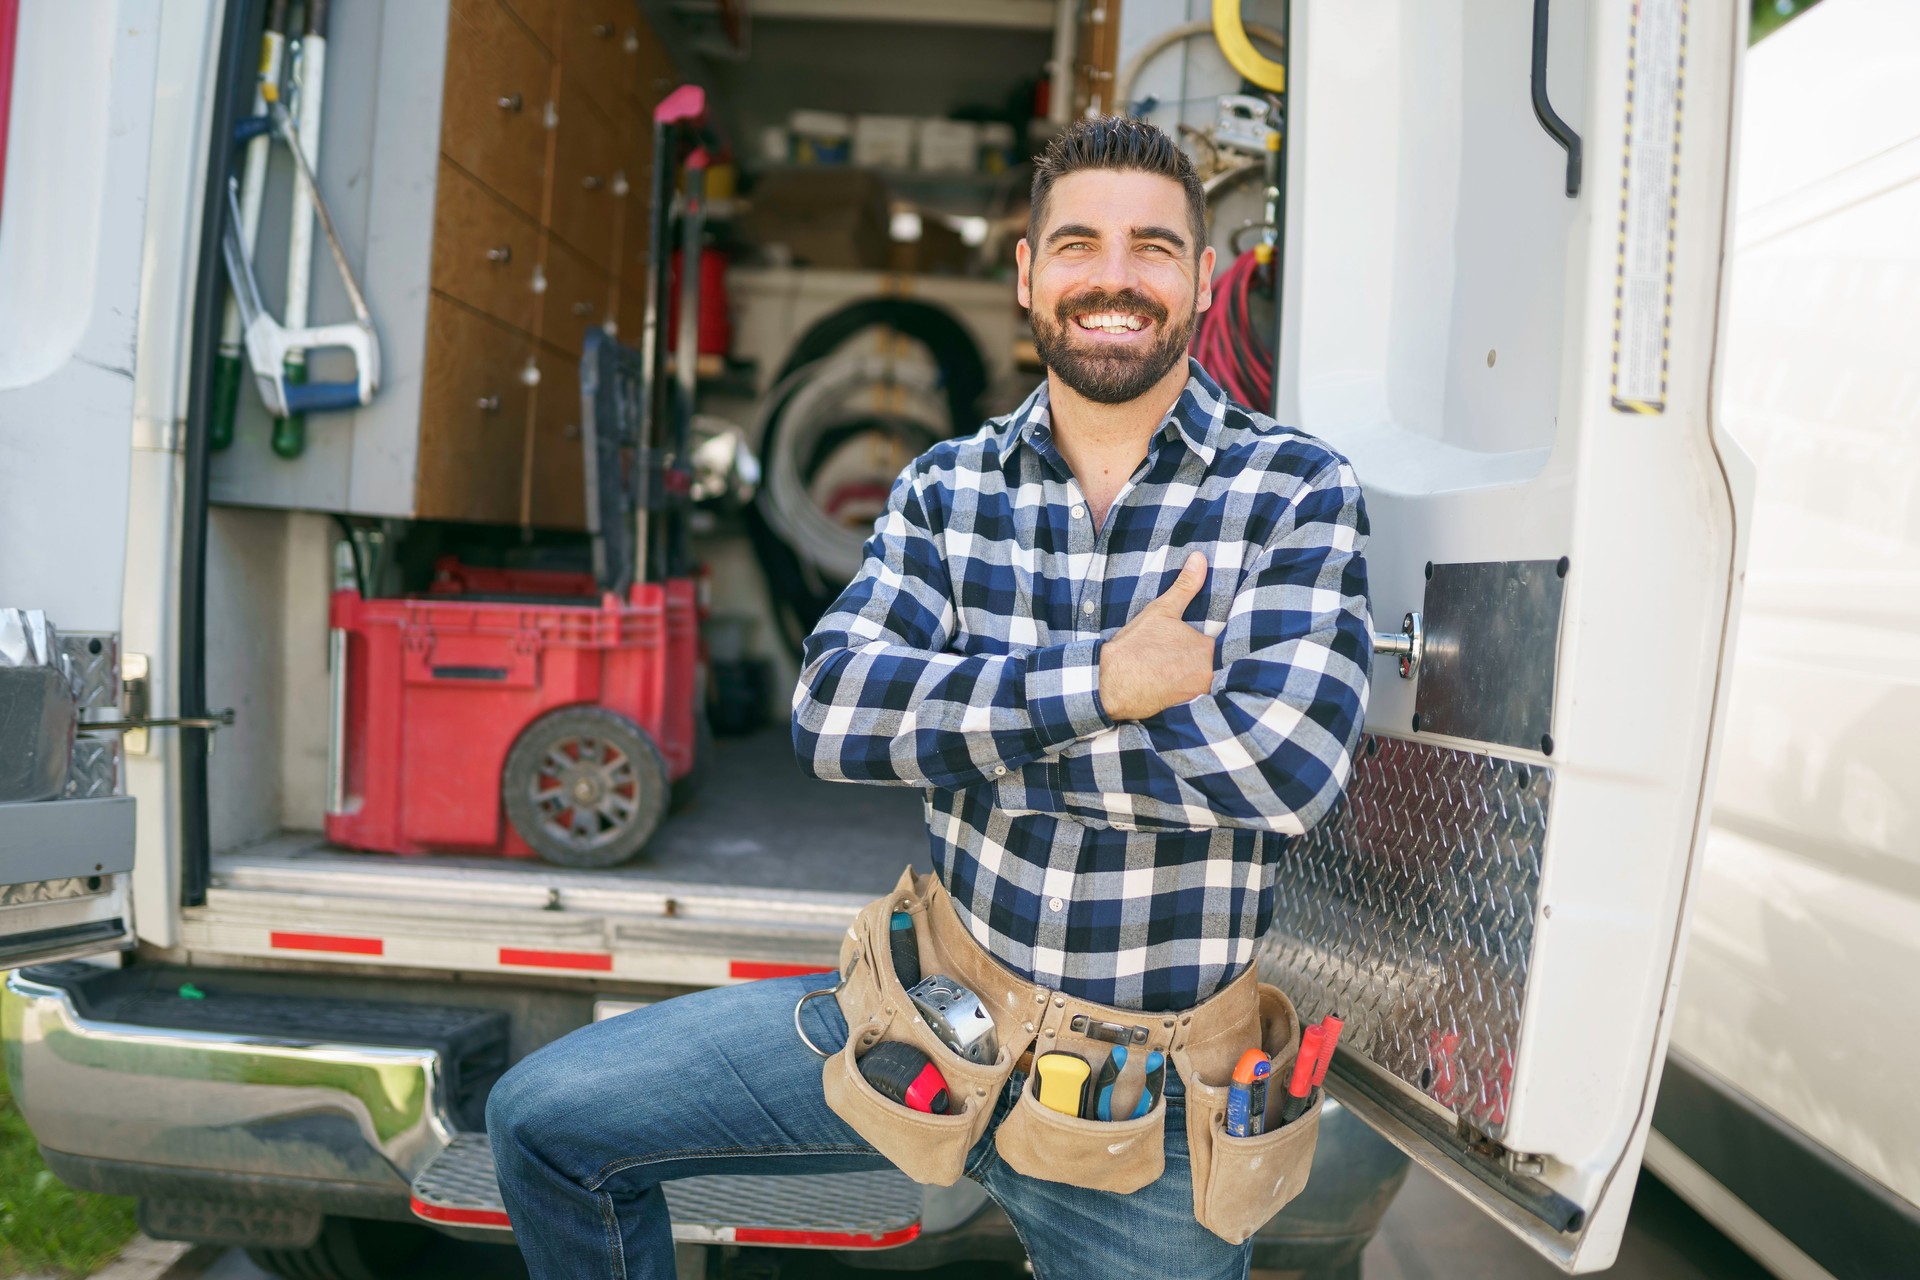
x,y
585,1129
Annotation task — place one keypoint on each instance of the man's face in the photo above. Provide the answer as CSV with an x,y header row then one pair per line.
x,y
1114,286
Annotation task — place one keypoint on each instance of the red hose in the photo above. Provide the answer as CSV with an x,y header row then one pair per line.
x,y
1225,343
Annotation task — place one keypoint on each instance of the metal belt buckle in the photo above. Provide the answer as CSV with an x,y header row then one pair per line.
x,y
1111,1032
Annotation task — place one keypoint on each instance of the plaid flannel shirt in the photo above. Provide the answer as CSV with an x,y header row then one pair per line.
x,y
1129,863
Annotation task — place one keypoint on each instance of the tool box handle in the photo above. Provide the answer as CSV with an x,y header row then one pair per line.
x,y
686,105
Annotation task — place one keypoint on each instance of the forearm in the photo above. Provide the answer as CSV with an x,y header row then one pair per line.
x,y
1269,746
881,712
1243,757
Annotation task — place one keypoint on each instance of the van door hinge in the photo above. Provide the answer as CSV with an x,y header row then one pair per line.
x,y
135,721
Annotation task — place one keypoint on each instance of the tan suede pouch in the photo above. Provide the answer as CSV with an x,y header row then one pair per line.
x,y
927,1148
1239,1183
1101,1155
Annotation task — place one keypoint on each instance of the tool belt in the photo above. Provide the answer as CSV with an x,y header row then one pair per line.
x,y
1238,1183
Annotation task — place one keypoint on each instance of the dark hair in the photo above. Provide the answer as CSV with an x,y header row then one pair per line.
x,y
1116,142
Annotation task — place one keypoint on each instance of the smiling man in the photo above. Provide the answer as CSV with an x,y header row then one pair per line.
x,y
1120,639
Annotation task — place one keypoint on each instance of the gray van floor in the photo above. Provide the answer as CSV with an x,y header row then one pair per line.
x,y
758,822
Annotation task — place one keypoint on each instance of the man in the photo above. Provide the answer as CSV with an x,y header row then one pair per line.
x,y
1120,638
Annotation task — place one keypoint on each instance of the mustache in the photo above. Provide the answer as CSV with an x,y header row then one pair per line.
x,y
1093,303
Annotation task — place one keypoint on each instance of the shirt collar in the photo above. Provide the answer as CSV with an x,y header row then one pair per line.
x,y
1196,417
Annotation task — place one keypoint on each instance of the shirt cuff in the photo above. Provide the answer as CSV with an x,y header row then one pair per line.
x,y
1063,692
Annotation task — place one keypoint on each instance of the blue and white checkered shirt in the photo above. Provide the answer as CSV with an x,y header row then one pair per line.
x,y
1130,863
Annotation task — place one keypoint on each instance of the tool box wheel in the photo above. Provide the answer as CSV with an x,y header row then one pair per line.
x,y
584,787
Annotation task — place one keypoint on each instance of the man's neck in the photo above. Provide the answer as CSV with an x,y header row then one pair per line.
x,y
1105,443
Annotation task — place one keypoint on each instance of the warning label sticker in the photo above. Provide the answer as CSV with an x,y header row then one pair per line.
x,y
1649,205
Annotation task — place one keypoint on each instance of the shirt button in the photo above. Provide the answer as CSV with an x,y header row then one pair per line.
x,y
1078,511
999,770
1087,607
1055,904
1123,826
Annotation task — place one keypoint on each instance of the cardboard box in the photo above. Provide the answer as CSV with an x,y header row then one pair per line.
x,y
883,142
948,146
825,217
938,252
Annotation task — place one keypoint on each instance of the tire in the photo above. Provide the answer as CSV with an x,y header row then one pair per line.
x,y
349,1249
584,787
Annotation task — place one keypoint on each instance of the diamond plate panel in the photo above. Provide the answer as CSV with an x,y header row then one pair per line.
x,y
1409,912
93,663
94,768
867,1204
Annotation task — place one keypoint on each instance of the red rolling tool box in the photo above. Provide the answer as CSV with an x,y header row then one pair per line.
x,y
533,713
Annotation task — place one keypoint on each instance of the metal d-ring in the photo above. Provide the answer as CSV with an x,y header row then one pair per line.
x,y
833,990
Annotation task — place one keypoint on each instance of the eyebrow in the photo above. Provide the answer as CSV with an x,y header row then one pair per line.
x,y
1080,231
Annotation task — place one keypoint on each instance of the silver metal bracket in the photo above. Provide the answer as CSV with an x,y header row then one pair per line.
x,y
135,721
1409,646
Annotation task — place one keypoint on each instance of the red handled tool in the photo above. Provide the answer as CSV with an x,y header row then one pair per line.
x,y
1330,1036
1300,1083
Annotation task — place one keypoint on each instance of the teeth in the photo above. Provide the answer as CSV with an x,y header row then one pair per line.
x,y
1112,322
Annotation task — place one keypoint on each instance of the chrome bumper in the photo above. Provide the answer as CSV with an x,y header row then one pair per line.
x,y
357,1119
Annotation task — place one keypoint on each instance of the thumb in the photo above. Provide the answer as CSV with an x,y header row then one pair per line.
x,y
1193,575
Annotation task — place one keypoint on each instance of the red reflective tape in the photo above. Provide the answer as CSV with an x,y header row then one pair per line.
x,y
465,1217
771,969
598,961
326,942
827,1239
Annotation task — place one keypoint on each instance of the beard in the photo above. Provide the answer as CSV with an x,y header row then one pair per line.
x,y
1105,376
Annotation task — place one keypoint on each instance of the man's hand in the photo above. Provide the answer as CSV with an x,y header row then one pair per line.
x,y
1158,660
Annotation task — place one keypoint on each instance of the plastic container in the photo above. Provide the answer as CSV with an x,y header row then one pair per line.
x,y
948,146
883,142
821,137
997,147
431,693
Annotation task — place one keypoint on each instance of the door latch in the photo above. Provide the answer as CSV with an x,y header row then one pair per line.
x,y
1409,646
135,721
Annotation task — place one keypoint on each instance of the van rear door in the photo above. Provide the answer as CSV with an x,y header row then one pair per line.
x,y
1505,241
78,93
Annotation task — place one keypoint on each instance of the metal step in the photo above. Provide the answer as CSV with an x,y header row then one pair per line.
x,y
457,1192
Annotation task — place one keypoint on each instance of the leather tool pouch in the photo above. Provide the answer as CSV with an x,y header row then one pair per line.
x,y
927,1148
1239,1183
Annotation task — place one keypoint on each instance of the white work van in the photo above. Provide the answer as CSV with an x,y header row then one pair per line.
x,y
1503,239
1799,1135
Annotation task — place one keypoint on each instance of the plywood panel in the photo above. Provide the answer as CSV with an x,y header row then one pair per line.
x,y
473,416
588,174
484,251
493,122
579,296
599,46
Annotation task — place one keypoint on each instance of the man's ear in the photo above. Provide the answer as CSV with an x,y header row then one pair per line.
x,y
1023,272
1205,296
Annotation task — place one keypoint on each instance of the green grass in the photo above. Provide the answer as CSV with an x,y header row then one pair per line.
x,y
46,1228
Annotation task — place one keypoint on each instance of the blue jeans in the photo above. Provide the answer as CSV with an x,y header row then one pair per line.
x,y
585,1130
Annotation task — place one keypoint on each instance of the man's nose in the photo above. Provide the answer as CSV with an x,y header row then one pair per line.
x,y
1114,269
